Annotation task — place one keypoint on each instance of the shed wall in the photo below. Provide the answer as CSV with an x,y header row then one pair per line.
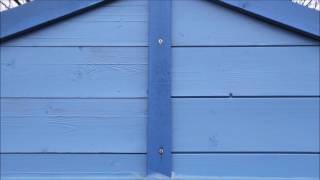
x,y
245,97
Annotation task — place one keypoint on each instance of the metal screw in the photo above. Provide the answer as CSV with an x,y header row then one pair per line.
x,y
160,41
161,151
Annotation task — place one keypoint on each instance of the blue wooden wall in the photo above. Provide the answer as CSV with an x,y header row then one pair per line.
x,y
245,97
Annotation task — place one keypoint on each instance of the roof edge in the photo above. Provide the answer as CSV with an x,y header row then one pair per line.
x,y
286,14
32,16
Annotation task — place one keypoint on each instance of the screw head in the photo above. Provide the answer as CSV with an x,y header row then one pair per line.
x,y
160,41
161,151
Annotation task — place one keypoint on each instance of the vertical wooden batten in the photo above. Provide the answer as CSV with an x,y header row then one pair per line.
x,y
159,89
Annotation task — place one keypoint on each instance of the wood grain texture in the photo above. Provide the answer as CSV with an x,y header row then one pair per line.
x,y
247,166
244,125
65,88
195,23
72,166
185,166
73,72
73,55
199,125
73,125
247,71
122,23
203,23
122,72
32,15
284,13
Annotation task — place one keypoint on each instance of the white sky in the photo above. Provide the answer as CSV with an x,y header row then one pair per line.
x,y
9,3
314,4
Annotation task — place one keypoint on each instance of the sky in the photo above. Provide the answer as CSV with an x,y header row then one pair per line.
x,y
314,4
9,3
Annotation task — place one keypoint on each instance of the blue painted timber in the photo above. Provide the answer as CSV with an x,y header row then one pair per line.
x,y
39,13
208,28
159,89
256,125
89,29
209,24
111,72
282,12
185,166
245,97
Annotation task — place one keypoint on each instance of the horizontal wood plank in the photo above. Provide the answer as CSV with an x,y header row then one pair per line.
x,y
247,166
72,166
122,72
73,125
199,125
204,23
73,56
121,23
185,166
246,125
74,81
247,71
73,72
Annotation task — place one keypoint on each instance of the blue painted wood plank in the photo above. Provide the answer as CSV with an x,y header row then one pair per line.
x,y
284,13
121,23
159,125
208,24
246,125
73,125
122,72
246,71
72,166
185,166
73,56
74,81
119,125
36,14
74,72
247,166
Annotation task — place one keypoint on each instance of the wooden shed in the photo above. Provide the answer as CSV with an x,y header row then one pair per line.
x,y
155,89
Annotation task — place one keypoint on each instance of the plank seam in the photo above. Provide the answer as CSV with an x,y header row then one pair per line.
x,y
244,152
174,152
146,46
252,97
175,97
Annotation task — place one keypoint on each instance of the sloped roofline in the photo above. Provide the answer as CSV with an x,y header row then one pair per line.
x,y
40,13
283,13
